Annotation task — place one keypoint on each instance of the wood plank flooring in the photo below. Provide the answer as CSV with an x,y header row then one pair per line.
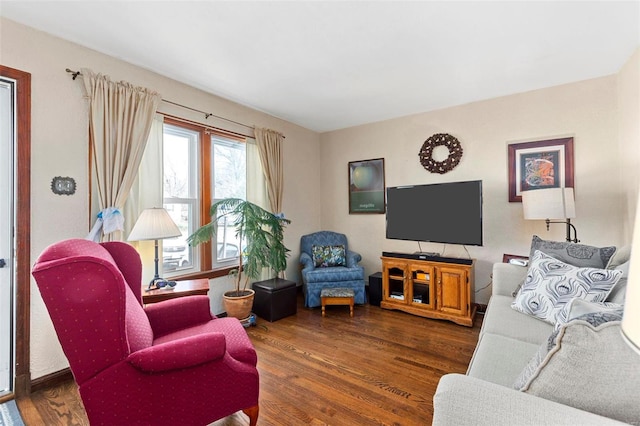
x,y
378,368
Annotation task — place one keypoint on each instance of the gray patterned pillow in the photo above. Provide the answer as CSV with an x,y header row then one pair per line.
x,y
574,254
595,318
577,308
551,283
587,365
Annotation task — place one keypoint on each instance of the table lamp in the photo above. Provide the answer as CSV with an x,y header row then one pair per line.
x,y
155,224
551,203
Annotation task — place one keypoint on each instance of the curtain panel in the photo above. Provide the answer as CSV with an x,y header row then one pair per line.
x,y
270,147
120,117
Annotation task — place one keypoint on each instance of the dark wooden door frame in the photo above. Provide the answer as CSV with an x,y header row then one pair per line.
x,y
22,386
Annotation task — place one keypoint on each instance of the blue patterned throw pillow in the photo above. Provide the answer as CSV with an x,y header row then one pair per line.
x,y
551,284
326,256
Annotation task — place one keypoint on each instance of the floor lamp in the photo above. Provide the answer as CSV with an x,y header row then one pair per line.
x,y
551,203
155,224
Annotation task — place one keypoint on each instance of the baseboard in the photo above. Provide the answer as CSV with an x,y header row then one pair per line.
x,y
51,380
481,309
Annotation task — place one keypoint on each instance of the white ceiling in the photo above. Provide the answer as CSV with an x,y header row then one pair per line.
x,y
327,65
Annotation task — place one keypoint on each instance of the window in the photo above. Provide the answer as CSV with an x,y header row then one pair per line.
x,y
180,195
200,167
229,179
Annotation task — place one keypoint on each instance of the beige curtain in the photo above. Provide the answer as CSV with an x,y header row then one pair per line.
x,y
270,147
120,117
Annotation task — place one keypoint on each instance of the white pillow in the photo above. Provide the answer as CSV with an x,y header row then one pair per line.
x,y
550,284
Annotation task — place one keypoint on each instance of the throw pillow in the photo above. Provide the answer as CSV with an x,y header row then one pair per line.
x,y
591,368
622,255
580,255
326,256
551,283
578,307
618,293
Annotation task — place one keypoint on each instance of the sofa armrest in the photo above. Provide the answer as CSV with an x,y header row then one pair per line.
x,y
179,354
306,261
353,258
507,278
464,400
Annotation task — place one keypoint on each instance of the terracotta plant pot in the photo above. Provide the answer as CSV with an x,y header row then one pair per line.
x,y
239,306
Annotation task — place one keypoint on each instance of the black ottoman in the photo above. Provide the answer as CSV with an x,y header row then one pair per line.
x,y
275,299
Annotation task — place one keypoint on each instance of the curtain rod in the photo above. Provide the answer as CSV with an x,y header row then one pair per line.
x,y
75,75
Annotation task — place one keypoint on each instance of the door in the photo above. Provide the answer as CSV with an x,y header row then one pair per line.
x,y
7,293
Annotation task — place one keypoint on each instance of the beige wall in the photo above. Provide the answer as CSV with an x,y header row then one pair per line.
x,y
59,148
585,110
629,137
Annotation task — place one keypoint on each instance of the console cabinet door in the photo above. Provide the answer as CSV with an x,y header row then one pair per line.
x,y
394,282
452,290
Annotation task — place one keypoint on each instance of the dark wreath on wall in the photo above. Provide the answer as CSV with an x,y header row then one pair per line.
x,y
448,164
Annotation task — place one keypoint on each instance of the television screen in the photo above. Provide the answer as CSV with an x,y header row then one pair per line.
x,y
441,213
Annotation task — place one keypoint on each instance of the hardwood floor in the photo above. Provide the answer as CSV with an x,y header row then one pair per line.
x,y
378,368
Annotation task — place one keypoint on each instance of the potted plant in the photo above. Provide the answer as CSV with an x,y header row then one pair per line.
x,y
260,234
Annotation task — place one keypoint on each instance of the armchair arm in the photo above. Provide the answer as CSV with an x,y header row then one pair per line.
x,y
181,353
306,261
176,314
353,258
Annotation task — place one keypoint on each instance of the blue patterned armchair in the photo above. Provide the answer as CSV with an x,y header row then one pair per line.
x,y
314,278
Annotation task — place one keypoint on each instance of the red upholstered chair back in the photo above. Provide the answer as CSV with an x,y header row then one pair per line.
x,y
94,290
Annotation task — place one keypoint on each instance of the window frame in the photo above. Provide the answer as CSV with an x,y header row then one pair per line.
x,y
205,176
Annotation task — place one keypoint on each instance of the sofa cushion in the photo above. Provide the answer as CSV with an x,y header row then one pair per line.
x,y
580,255
500,359
590,368
501,319
551,283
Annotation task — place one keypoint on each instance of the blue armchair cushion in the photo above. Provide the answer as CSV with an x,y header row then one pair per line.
x,y
328,256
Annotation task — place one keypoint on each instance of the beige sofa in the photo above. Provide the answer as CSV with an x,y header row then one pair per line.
x,y
507,343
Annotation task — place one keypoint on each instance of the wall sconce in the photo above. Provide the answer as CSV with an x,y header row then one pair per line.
x,y
551,203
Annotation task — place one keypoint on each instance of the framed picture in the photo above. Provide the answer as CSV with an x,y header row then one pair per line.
x,y
366,186
539,165
515,259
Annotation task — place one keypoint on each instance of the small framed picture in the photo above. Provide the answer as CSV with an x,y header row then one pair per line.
x,y
366,186
539,165
515,259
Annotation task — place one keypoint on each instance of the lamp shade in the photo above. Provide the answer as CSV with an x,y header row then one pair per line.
x,y
154,224
548,203
631,318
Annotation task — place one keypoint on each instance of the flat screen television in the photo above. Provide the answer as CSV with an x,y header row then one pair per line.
x,y
448,213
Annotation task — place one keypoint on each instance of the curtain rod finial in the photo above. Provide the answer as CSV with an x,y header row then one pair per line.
x,y
75,74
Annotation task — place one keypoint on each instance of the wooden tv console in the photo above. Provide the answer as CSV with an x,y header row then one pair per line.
x,y
429,288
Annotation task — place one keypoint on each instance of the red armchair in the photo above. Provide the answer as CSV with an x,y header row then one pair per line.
x,y
166,364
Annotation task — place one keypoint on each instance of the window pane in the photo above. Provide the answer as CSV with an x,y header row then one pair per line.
x,y
229,169
180,193
179,163
229,181
176,253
